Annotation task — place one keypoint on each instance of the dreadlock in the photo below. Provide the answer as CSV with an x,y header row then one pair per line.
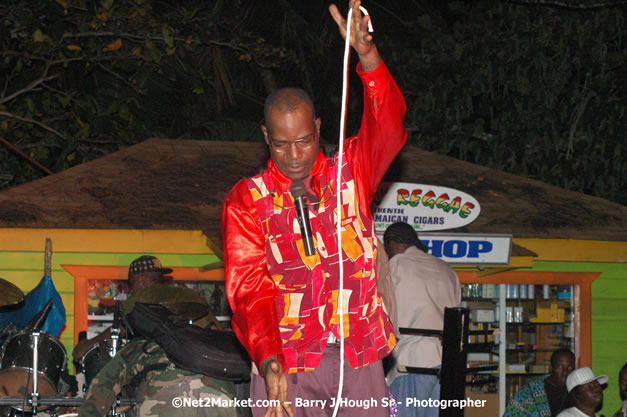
x,y
402,233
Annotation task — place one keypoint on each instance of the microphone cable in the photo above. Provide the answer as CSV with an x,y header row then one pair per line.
x,y
340,301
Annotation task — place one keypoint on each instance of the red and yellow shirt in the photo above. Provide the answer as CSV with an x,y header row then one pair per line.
x,y
285,303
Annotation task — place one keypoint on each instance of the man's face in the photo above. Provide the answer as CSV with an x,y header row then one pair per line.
x,y
142,281
590,394
293,139
622,381
562,366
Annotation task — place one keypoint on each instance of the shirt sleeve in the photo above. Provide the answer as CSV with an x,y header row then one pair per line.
x,y
108,383
382,134
249,287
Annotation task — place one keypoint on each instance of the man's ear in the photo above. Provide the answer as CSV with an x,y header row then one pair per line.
x,y
317,124
264,129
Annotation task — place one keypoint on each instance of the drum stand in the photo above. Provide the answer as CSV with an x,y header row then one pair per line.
x,y
34,396
115,336
34,399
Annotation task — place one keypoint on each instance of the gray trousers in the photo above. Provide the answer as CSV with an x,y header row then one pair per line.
x,y
313,394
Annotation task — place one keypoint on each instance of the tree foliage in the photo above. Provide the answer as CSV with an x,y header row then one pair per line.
x,y
529,89
83,78
533,90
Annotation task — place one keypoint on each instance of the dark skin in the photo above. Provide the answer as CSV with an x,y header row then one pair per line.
x,y
622,382
561,365
293,139
394,248
589,397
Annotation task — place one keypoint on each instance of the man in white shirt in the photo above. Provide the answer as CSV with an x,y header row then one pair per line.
x,y
586,391
423,286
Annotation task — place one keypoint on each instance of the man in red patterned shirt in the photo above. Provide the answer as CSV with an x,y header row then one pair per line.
x,y
284,301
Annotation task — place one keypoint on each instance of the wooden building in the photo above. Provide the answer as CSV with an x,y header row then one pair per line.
x,y
164,197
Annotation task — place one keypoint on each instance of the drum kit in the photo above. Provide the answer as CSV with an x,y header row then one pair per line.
x,y
32,363
25,392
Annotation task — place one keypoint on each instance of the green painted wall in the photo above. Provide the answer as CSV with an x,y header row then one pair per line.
x,y
25,269
609,321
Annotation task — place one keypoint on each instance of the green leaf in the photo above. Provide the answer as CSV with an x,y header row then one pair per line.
x,y
38,36
167,33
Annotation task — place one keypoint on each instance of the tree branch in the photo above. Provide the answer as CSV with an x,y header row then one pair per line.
x,y
581,5
35,122
63,61
131,36
29,87
587,94
123,79
25,156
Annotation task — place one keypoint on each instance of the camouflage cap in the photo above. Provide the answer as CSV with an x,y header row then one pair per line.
x,y
147,263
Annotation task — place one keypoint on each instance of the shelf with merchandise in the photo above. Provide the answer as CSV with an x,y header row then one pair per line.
x,y
539,319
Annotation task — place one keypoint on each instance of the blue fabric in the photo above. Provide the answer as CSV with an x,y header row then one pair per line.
x,y
530,401
420,387
34,302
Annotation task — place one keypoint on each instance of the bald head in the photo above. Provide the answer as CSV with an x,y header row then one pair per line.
x,y
287,100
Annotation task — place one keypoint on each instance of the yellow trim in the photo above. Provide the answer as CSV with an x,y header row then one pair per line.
x,y
514,262
575,250
103,241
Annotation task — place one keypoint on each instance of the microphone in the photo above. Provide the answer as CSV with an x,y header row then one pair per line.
x,y
116,318
300,202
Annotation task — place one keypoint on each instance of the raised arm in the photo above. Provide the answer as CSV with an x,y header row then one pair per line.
x,y
382,134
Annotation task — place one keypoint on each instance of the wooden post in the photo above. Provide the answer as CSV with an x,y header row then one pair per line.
x,y
48,258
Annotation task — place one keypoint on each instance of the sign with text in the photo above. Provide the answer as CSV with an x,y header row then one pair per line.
x,y
469,248
425,207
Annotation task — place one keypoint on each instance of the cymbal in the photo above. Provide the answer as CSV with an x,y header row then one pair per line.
x,y
188,310
9,293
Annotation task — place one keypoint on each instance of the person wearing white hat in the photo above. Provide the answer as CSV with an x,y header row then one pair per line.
x,y
586,391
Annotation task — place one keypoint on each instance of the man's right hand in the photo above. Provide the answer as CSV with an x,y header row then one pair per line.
x,y
361,40
276,387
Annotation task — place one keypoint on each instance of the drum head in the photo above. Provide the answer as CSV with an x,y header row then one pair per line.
x,y
13,384
94,360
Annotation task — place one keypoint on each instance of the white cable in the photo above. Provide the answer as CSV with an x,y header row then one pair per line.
x,y
338,181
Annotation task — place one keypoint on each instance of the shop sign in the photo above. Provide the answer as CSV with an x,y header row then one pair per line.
x,y
425,207
469,248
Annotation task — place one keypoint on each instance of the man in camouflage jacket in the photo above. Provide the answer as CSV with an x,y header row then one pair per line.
x,y
160,388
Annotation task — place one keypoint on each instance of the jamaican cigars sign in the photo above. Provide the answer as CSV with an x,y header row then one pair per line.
x,y
425,207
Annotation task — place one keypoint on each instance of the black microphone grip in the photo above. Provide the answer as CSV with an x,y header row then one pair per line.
x,y
300,202
116,317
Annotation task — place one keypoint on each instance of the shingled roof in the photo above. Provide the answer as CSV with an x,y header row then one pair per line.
x,y
180,184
